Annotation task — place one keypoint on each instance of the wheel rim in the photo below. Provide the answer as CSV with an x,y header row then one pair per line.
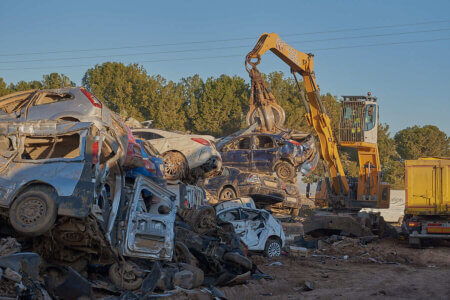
x,y
284,171
31,211
227,194
274,249
174,165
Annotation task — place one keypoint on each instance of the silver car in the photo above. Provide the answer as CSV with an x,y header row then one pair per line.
x,y
181,152
68,104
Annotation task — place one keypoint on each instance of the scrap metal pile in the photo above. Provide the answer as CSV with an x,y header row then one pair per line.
x,y
90,207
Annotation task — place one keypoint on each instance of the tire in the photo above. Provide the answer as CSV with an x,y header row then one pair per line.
x,y
285,170
227,193
176,165
273,248
130,281
34,211
238,259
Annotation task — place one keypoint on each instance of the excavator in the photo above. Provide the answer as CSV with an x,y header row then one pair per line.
x,y
358,129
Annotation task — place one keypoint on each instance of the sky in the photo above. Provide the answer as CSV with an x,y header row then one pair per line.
x,y
397,50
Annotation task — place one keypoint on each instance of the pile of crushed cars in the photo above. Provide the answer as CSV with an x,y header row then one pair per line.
x,y
91,207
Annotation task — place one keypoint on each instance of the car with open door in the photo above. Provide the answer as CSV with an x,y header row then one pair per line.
x,y
257,228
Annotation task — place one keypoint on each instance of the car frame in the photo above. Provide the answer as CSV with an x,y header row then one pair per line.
x,y
268,153
232,183
182,153
269,238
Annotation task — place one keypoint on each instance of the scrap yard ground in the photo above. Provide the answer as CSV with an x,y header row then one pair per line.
x,y
404,273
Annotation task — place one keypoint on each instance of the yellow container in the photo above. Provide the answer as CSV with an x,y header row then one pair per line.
x,y
427,182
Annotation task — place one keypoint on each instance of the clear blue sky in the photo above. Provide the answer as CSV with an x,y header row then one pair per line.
x,y
412,81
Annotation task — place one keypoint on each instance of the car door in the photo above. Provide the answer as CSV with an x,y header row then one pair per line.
x,y
237,153
233,216
150,222
264,153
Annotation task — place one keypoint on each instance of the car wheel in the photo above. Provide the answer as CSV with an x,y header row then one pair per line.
x,y
273,248
227,193
124,278
34,211
285,170
176,165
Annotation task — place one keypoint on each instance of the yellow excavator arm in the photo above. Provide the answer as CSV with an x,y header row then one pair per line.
x,y
316,114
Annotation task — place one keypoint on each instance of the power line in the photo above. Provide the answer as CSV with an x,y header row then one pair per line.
x,y
220,48
240,55
223,40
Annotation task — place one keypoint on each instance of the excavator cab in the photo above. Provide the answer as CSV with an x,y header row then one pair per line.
x,y
359,119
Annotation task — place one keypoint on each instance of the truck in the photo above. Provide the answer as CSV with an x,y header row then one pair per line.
x,y
427,187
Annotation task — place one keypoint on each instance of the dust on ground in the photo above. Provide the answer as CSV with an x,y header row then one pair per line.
x,y
395,271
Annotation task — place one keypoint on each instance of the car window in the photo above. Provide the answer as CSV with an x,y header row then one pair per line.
x,y
67,146
149,149
264,142
147,135
47,98
228,216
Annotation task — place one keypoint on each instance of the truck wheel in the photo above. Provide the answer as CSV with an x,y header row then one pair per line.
x,y
176,165
285,170
273,248
227,194
124,277
34,211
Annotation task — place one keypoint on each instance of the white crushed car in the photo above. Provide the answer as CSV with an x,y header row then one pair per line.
x,y
258,229
182,153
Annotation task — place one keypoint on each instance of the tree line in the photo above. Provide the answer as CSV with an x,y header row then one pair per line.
x,y
217,106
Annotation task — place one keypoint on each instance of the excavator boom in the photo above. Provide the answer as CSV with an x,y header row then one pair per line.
x,y
316,114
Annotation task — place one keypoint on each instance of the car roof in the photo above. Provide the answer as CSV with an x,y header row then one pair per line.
x,y
168,134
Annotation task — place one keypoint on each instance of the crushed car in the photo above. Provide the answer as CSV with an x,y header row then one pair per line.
x,y
231,183
268,153
75,104
183,154
257,228
51,169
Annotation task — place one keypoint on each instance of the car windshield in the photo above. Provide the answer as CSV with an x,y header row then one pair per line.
x,y
149,148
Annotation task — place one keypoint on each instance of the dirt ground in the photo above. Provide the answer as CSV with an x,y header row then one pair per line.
x,y
383,269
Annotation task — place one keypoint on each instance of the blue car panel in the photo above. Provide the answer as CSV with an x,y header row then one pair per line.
x,y
157,174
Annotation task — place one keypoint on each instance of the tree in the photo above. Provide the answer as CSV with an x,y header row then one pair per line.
x,y
3,88
392,165
414,142
125,89
218,108
55,80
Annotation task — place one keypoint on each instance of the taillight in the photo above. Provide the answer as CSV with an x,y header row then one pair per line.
x,y
413,224
95,153
201,141
91,98
150,166
295,142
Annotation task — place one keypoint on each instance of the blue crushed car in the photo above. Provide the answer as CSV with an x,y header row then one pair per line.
x,y
153,168
284,153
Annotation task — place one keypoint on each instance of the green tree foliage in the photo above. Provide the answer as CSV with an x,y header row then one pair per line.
x,y
4,90
55,80
125,89
414,142
216,106
391,163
